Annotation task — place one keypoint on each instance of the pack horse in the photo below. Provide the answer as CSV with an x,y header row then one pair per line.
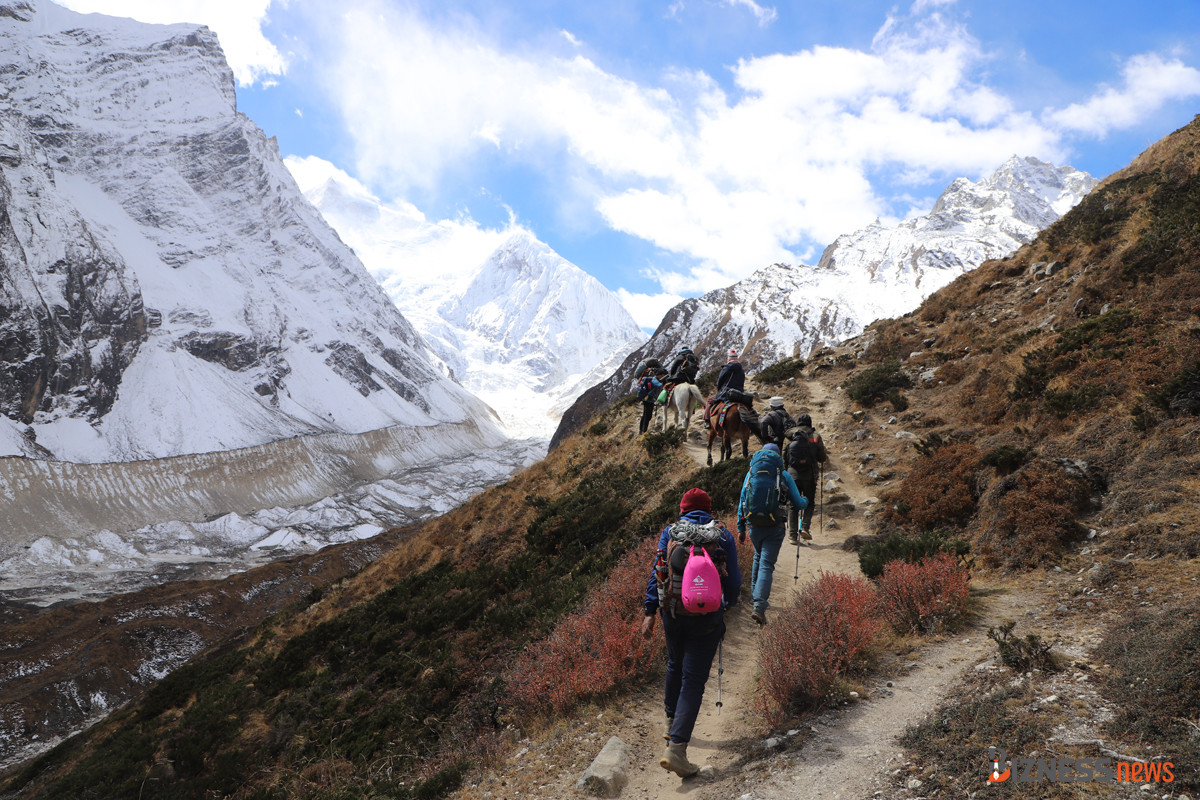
x,y
684,399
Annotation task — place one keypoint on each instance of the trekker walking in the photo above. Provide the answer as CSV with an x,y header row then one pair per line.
x,y
693,636
766,484
776,421
649,387
803,458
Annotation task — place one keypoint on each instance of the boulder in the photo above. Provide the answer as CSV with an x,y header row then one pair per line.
x,y
608,772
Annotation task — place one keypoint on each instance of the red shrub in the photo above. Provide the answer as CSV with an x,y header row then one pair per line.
x,y
920,598
940,490
594,649
827,633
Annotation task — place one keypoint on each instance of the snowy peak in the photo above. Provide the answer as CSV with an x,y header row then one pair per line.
x,y
515,322
172,289
1028,190
530,302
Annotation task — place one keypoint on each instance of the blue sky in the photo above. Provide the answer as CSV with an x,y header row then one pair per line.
x,y
674,147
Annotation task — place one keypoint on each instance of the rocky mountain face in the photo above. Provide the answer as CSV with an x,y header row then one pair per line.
x,y
518,325
196,373
785,311
166,287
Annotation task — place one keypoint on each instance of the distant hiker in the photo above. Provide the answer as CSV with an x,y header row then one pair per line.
x,y
775,422
694,545
684,368
804,456
732,376
766,484
649,387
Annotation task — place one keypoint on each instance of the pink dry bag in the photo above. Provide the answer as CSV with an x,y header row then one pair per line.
x,y
701,583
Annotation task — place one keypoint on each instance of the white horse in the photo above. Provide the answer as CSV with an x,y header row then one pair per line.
x,y
684,398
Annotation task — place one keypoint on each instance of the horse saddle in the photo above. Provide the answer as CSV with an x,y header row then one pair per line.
x,y
722,411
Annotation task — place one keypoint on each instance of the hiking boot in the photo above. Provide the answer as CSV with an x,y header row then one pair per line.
x,y
667,733
793,539
805,535
674,759
759,616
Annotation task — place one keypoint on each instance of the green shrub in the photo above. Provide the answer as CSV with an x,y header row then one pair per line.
x,y
1181,393
878,383
780,371
659,442
874,557
1007,458
1064,402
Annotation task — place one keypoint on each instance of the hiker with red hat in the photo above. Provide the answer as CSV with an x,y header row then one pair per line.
x,y
693,554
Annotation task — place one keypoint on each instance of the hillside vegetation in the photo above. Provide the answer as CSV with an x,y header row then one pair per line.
x,y
1053,400
397,679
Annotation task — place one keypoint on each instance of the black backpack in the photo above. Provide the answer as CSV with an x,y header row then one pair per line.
x,y
801,451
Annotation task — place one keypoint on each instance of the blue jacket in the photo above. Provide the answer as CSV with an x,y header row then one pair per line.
x,y
731,584
786,483
648,388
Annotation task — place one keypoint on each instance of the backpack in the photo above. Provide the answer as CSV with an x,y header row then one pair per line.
x,y
800,455
690,367
645,387
762,502
649,364
695,565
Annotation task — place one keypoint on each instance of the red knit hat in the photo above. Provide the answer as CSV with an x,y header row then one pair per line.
x,y
695,500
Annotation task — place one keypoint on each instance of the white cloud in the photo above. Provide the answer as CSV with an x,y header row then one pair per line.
x,y
765,16
647,309
1150,81
733,182
237,23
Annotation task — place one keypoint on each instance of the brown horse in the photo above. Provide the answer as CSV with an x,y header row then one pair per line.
x,y
728,429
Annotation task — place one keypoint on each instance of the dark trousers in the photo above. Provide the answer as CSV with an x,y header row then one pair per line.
x,y
647,413
807,484
691,646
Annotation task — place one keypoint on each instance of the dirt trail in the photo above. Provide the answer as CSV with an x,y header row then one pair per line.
x,y
715,734
847,753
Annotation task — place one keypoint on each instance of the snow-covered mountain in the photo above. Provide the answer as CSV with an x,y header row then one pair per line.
x,y
166,288
517,324
880,271
194,369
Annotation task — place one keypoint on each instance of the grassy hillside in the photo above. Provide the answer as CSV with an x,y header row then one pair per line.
x,y
391,683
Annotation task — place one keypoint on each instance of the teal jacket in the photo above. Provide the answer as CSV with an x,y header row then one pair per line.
x,y
763,458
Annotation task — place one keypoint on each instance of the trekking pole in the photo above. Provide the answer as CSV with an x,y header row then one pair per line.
x,y
821,489
796,577
720,671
